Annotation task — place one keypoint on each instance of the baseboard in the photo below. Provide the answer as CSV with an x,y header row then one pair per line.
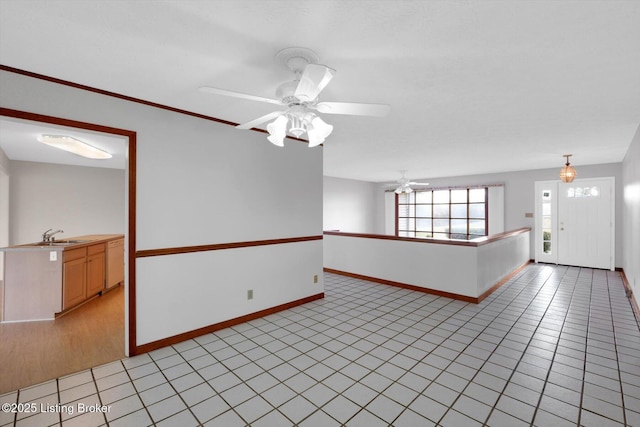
x,y
632,300
437,292
503,281
404,285
145,348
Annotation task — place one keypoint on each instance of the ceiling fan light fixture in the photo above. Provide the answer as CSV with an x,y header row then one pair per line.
x,y
317,131
297,125
75,146
277,131
404,189
567,173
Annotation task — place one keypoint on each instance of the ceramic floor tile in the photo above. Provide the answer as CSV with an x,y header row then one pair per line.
x,y
371,354
227,419
319,419
210,408
385,408
182,419
297,409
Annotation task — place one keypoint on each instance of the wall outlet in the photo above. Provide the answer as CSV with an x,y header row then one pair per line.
x,y
250,294
315,278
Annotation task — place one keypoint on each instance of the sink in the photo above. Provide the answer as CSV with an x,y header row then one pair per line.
x,y
61,243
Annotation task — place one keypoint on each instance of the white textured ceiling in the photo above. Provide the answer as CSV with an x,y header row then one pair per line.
x,y
19,141
474,86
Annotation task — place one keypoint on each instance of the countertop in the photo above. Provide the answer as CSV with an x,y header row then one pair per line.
x,y
60,245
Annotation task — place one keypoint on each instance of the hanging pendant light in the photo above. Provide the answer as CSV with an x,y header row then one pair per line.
x,y
567,173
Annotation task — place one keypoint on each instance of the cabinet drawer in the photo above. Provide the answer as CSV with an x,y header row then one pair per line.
x,y
95,249
72,254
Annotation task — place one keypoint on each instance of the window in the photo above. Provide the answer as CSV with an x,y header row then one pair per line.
x,y
452,213
546,221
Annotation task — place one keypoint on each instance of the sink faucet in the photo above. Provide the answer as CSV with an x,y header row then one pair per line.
x,y
47,236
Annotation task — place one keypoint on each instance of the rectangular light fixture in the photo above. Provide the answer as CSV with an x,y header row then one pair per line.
x,y
74,146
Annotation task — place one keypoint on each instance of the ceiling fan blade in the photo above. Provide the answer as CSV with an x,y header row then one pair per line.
x,y
314,78
260,120
233,94
418,183
352,108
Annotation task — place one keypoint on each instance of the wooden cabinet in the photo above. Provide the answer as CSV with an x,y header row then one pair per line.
x,y
43,281
115,262
95,269
83,274
74,277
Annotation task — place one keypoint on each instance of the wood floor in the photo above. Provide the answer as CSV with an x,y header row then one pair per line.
x,y
33,352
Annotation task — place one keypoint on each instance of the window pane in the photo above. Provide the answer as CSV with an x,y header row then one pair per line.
x,y
441,225
423,196
459,211
476,210
406,198
403,210
477,227
406,210
441,211
459,226
423,210
441,196
423,224
477,195
411,224
458,196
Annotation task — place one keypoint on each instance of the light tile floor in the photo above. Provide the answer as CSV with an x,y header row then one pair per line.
x,y
555,346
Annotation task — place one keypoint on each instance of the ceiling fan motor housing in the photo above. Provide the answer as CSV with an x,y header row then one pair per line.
x,y
285,92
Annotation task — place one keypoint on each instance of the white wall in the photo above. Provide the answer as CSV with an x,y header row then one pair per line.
x,y
519,195
4,207
78,200
462,270
631,215
348,205
202,182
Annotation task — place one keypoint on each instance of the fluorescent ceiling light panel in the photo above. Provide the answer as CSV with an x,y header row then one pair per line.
x,y
74,146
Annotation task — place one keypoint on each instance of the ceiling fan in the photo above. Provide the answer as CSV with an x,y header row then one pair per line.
x,y
405,184
300,97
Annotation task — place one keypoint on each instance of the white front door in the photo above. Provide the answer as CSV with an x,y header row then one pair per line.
x,y
575,222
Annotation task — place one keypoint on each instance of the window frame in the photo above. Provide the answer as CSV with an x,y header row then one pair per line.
x,y
449,218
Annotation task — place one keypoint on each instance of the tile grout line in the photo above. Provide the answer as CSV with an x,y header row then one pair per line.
x,y
615,348
555,350
524,309
137,394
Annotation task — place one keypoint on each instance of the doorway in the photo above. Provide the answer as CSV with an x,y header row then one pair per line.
x,y
575,222
127,293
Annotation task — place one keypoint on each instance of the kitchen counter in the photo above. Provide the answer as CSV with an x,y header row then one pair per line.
x,y
44,279
66,243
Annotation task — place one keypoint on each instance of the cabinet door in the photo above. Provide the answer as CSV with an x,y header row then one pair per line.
x,y
115,262
74,283
95,274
